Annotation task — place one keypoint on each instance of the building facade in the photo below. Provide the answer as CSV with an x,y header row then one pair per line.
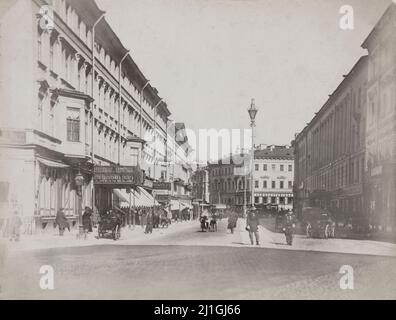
x,y
381,122
72,99
273,176
330,151
346,156
228,181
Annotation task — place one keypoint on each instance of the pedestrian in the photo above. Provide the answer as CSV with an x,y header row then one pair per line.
x,y
149,225
61,222
232,221
252,224
15,225
87,220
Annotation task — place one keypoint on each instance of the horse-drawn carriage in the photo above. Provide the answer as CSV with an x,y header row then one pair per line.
x,y
110,224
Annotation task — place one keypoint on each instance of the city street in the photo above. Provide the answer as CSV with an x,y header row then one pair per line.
x,y
184,263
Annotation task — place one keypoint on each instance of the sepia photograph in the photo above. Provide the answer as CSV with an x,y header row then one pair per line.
x,y
197,150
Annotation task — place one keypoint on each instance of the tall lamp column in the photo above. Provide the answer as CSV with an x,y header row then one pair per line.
x,y
252,114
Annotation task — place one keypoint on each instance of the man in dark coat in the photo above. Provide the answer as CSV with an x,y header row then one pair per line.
x,y
252,223
87,219
149,225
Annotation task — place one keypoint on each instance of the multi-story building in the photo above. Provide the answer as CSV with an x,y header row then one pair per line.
x,y
273,176
330,151
200,184
345,158
381,122
227,181
72,99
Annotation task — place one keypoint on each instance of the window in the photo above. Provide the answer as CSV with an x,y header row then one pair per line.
x,y
273,185
281,184
256,184
290,184
73,124
281,200
273,200
256,167
273,167
290,168
281,167
256,199
265,184
265,167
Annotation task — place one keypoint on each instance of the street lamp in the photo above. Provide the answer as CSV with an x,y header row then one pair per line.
x,y
252,114
79,181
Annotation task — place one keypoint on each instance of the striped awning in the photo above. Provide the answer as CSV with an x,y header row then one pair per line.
x,y
139,198
52,164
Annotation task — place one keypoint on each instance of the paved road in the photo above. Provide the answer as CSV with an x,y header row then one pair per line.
x,y
195,272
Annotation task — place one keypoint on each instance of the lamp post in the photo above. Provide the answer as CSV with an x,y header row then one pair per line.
x,y
252,114
79,181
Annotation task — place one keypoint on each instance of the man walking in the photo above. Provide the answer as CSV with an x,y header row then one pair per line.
x,y
252,223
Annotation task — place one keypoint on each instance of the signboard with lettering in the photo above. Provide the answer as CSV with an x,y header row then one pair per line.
x,y
162,197
148,183
118,175
158,185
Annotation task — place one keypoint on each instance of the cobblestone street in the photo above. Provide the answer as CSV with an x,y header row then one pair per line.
x,y
184,263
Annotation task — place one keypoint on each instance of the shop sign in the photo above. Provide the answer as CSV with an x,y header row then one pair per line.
x,y
158,185
162,198
118,175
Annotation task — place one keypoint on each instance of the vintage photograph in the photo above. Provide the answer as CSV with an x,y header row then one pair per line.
x,y
197,150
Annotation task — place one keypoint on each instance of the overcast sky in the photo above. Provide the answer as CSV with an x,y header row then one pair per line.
x,y
208,58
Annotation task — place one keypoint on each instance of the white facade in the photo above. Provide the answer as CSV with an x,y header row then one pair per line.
x,y
273,180
48,104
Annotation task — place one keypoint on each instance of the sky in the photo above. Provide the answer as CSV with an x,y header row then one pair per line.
x,y
208,58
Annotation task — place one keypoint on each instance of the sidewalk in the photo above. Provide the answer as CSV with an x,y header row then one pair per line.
x,y
130,236
274,240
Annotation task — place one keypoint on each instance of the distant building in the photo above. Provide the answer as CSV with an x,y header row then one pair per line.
x,y
273,176
226,181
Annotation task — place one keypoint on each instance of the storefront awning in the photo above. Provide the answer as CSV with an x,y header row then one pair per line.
x,y
121,194
52,164
138,198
